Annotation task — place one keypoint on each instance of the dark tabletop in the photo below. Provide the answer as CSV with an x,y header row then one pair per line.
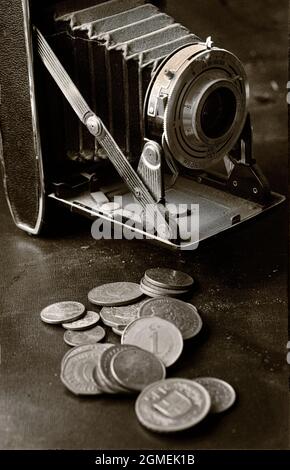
x,y
241,287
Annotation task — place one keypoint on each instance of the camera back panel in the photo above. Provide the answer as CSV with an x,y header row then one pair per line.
x,y
20,150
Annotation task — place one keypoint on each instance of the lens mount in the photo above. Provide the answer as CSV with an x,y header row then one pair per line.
x,y
198,99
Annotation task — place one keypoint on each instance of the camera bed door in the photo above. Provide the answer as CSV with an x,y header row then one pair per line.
x,y
20,149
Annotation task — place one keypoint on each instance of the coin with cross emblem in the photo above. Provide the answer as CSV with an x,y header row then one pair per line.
x,y
172,405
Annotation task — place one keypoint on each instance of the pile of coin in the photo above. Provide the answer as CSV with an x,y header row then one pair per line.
x,y
177,404
152,335
124,369
161,282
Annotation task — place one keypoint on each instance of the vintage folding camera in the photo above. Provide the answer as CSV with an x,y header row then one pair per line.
x,y
115,99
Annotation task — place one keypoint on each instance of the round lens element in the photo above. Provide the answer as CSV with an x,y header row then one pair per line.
x,y
218,113
202,109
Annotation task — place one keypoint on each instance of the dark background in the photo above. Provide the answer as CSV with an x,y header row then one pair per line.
x,y
241,286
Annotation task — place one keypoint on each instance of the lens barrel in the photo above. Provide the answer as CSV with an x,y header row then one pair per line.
x,y
197,101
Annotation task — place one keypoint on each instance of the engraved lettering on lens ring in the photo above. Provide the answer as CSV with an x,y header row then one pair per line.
x,y
172,405
115,294
183,315
204,80
157,336
222,394
136,368
62,312
77,371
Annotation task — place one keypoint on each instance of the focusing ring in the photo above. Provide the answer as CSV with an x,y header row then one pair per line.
x,y
198,99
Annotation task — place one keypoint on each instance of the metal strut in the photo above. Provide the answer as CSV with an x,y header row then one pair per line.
x,y
156,213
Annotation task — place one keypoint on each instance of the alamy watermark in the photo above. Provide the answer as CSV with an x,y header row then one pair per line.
x,y
179,223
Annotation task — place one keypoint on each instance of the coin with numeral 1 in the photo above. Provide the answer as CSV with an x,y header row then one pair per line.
x,y
157,336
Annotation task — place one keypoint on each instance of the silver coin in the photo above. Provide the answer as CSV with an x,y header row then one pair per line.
x,y
157,336
115,294
90,319
77,338
169,278
120,316
152,293
101,384
136,368
118,330
222,394
62,312
77,349
103,370
77,371
162,290
172,405
184,316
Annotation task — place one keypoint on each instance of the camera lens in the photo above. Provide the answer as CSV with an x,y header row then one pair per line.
x,y
218,113
201,111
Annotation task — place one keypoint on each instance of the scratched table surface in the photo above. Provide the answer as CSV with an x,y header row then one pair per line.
x,y
241,289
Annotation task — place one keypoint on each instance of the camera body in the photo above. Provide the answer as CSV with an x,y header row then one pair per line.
x,y
118,99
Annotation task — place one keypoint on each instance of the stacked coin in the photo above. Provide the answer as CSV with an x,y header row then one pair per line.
x,y
160,282
152,334
111,369
77,368
126,369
